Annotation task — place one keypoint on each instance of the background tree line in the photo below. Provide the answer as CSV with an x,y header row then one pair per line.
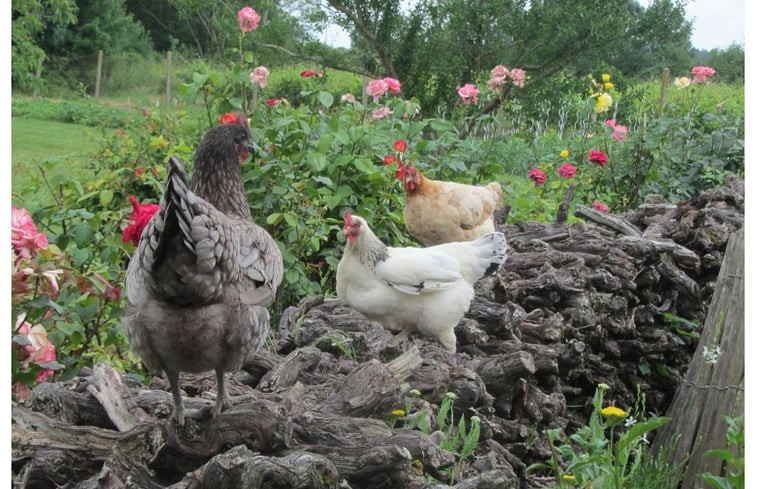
x,y
432,46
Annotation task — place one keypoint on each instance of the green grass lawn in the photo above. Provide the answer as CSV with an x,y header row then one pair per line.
x,y
44,150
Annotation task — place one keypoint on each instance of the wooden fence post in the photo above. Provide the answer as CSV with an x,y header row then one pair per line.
x,y
710,388
664,89
99,73
168,78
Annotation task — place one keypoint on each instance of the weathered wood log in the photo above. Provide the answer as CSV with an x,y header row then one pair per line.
x,y
121,471
618,224
714,384
33,431
55,468
108,388
69,402
241,467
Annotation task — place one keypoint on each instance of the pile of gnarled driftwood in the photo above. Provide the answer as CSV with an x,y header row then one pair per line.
x,y
613,299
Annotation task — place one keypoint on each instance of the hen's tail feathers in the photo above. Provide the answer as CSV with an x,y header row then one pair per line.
x,y
177,214
492,249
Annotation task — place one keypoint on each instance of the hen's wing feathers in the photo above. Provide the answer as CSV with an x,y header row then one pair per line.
x,y
415,270
196,251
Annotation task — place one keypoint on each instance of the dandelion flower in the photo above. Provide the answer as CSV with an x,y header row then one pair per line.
x,y
613,413
398,413
569,479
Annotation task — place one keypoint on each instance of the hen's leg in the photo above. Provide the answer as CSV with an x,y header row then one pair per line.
x,y
178,405
222,399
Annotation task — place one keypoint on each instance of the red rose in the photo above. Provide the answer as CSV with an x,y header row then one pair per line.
x,y
600,206
400,145
228,118
388,160
537,176
307,73
597,157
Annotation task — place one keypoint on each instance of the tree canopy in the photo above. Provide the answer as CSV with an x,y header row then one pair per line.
x,y
433,46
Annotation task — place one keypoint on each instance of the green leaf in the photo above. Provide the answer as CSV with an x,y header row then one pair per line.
x,y
199,78
274,218
83,235
724,455
69,328
365,165
44,301
87,313
106,197
326,99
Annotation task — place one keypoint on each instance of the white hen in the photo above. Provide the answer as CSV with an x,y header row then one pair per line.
x,y
425,288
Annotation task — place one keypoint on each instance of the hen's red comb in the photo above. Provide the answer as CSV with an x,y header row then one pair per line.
x,y
347,218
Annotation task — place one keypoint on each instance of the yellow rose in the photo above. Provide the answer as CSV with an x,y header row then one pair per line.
x,y
604,102
681,82
609,86
605,77
564,153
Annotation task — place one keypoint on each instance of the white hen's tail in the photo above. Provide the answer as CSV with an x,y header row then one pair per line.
x,y
480,257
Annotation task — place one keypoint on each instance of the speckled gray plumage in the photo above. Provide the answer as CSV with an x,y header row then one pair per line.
x,y
199,284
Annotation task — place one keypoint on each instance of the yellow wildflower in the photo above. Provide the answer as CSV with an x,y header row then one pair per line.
x,y
569,478
681,82
612,412
564,153
604,102
605,77
609,86
398,413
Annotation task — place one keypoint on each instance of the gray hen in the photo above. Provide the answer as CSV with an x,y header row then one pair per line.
x,y
203,275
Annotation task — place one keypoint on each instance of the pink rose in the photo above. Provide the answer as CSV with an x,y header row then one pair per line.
x,y
393,85
518,77
567,170
600,206
307,73
498,77
25,237
469,93
376,88
619,132
537,176
701,73
259,76
382,112
597,157
499,71
248,19
40,351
